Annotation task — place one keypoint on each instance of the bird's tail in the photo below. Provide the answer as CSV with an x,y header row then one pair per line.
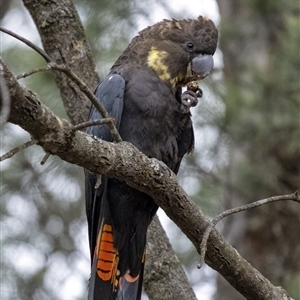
x,y
106,282
131,287
104,275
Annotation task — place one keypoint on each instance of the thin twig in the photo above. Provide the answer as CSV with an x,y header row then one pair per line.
x,y
62,55
26,74
18,149
46,156
203,247
5,101
84,88
28,43
92,123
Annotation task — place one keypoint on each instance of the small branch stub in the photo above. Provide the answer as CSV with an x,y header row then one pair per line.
x,y
18,149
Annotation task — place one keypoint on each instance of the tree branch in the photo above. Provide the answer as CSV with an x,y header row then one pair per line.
x,y
84,88
14,151
28,43
5,101
93,123
64,69
26,74
203,247
125,162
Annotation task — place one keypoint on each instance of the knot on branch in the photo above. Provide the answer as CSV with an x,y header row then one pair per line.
x,y
59,139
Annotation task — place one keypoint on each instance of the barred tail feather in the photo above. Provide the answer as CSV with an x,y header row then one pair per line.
x,y
105,275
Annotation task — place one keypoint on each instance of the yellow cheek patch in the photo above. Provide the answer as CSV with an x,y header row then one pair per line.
x,y
156,61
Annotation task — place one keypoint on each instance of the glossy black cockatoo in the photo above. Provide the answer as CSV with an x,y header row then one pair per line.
x,y
143,93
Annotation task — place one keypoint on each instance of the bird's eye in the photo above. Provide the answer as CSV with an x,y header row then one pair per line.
x,y
190,46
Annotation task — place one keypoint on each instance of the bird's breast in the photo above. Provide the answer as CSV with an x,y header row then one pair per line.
x,y
150,118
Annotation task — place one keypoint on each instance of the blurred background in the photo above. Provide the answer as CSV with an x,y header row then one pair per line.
x,y
247,129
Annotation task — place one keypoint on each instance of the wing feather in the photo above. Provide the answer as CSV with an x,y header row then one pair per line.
x,y
104,256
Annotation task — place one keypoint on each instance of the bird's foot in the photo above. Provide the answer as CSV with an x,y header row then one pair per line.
x,y
188,99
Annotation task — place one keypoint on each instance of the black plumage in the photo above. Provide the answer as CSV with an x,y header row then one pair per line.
x,y
143,94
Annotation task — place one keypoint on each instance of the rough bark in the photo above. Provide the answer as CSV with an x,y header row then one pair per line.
x,y
164,280
125,162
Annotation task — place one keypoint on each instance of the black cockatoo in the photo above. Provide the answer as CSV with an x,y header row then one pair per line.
x,y
143,93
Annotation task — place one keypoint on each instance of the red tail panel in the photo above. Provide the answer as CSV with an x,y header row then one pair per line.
x,y
107,256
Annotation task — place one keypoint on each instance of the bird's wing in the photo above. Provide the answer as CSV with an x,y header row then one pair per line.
x,y
110,93
104,256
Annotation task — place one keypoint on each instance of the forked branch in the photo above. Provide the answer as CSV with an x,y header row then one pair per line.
x,y
203,247
67,71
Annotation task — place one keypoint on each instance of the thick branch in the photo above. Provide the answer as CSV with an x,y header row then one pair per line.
x,y
125,162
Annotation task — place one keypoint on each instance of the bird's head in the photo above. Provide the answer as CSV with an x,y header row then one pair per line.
x,y
179,51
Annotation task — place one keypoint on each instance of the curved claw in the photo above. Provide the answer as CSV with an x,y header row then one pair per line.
x,y
188,99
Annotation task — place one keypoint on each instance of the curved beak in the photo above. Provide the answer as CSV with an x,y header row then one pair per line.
x,y
202,65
